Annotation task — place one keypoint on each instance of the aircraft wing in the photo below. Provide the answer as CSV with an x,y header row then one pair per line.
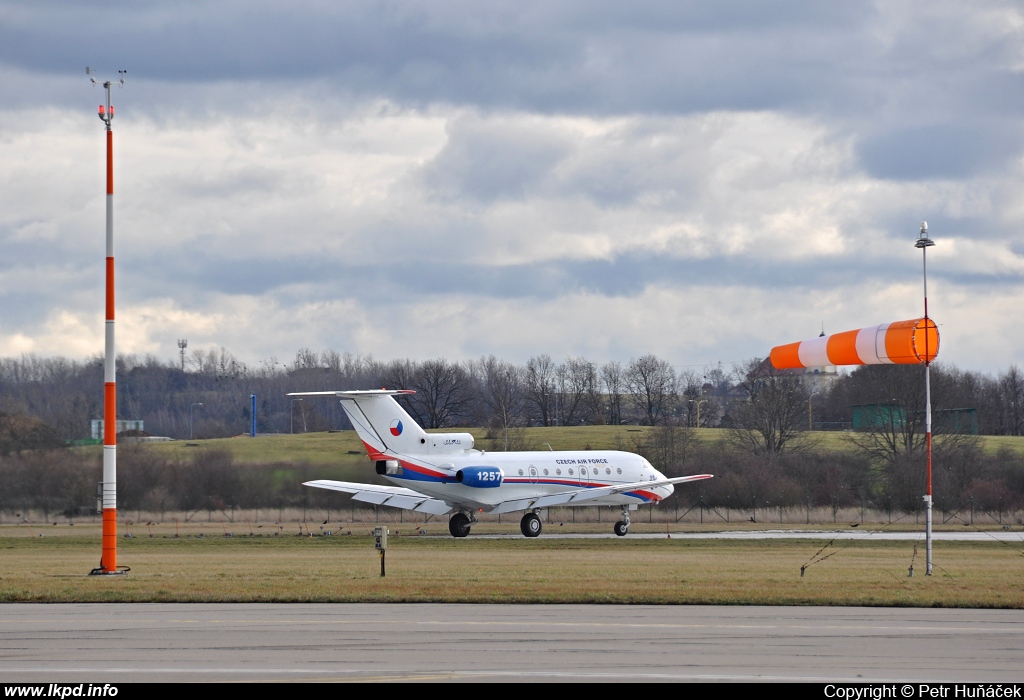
x,y
393,496
586,494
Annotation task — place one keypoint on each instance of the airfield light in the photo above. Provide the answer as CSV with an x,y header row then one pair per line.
x,y
190,419
108,487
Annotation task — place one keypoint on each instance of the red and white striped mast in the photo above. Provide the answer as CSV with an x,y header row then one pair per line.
x,y
108,487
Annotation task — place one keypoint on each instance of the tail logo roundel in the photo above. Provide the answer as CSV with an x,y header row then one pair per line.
x,y
396,427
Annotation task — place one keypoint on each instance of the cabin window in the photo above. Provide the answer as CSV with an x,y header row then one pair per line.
x,y
618,470
520,472
558,471
607,470
570,471
545,472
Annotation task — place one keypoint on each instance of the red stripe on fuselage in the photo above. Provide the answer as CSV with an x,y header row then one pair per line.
x,y
426,471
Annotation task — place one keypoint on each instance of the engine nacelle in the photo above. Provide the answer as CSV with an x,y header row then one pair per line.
x,y
480,477
390,466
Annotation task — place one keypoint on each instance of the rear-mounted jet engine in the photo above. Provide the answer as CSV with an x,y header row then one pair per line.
x,y
480,477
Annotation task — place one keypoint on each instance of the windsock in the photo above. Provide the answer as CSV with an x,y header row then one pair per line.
x,y
901,343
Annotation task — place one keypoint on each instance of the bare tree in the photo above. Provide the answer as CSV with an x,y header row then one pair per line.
x,y
444,393
651,384
540,388
773,413
577,382
400,374
892,399
667,447
1011,399
613,379
502,389
692,400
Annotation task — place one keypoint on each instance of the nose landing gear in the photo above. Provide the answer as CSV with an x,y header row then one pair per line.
x,y
622,527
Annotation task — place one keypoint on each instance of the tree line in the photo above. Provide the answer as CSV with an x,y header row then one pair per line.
x,y
209,395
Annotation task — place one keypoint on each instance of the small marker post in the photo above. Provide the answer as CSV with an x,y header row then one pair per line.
x,y
380,543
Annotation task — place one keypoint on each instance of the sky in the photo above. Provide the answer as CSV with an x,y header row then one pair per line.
x,y
697,180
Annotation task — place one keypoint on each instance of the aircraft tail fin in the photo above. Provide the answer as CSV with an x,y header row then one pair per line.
x,y
382,424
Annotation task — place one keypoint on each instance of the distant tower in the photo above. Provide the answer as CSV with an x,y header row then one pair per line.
x,y
182,344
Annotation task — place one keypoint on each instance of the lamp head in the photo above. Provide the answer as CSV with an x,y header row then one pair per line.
x,y
922,240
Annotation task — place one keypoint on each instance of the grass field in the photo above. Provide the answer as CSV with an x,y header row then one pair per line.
x,y
346,568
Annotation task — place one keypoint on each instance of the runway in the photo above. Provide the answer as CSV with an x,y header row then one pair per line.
x,y
110,643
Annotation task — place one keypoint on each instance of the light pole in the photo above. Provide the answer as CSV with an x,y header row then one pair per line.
x,y
190,419
810,415
292,417
698,402
923,242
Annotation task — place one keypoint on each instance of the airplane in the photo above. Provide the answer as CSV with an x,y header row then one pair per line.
x,y
438,473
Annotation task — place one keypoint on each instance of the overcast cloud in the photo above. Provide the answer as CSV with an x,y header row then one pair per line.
x,y
700,180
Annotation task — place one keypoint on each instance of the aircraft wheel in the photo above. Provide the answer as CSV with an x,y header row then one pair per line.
x,y
621,528
530,525
459,525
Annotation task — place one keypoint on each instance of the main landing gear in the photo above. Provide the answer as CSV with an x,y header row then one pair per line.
x,y
459,524
622,527
530,525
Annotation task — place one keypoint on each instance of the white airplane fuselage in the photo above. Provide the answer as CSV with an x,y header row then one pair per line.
x,y
527,475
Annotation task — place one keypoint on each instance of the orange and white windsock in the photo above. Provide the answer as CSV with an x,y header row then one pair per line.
x,y
901,343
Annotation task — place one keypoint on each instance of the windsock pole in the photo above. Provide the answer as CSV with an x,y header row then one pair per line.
x,y
901,343
108,489
923,242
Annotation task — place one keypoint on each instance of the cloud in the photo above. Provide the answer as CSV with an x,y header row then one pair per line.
x,y
450,179
939,151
